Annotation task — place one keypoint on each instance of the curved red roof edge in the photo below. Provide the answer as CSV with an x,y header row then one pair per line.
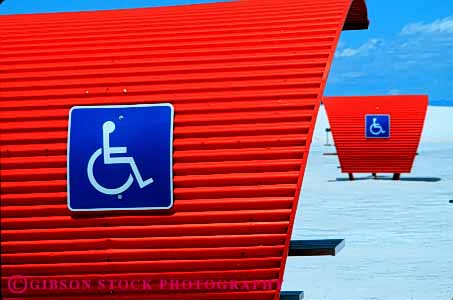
x,y
359,154
357,17
246,97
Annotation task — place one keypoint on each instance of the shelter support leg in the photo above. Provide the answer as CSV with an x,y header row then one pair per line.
x,y
396,176
291,295
374,175
351,176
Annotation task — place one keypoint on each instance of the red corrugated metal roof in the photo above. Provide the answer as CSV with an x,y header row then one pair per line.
x,y
356,153
245,79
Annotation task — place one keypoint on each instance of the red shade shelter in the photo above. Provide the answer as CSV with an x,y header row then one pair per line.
x,y
359,154
245,78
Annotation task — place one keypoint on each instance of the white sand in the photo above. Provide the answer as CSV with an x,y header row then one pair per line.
x,y
399,235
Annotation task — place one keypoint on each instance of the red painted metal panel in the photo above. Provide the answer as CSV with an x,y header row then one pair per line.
x,y
356,153
245,78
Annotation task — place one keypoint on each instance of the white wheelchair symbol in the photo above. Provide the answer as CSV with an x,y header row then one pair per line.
x,y
376,128
107,129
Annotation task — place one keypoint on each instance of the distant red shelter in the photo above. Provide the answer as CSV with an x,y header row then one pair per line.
x,y
376,134
245,78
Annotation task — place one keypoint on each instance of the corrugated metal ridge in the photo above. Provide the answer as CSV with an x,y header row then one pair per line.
x,y
245,79
360,155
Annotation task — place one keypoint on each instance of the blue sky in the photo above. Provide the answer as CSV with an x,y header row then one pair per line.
x,y
407,50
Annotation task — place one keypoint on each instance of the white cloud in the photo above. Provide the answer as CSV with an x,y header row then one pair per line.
x,y
369,45
418,61
444,25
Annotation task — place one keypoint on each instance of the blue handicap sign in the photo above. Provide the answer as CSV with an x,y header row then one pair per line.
x,y
377,126
120,157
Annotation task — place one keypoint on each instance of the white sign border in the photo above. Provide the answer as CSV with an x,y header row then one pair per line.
x,y
377,137
68,188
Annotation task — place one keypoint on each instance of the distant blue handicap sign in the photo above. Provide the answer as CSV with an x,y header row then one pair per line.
x,y
377,126
120,157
